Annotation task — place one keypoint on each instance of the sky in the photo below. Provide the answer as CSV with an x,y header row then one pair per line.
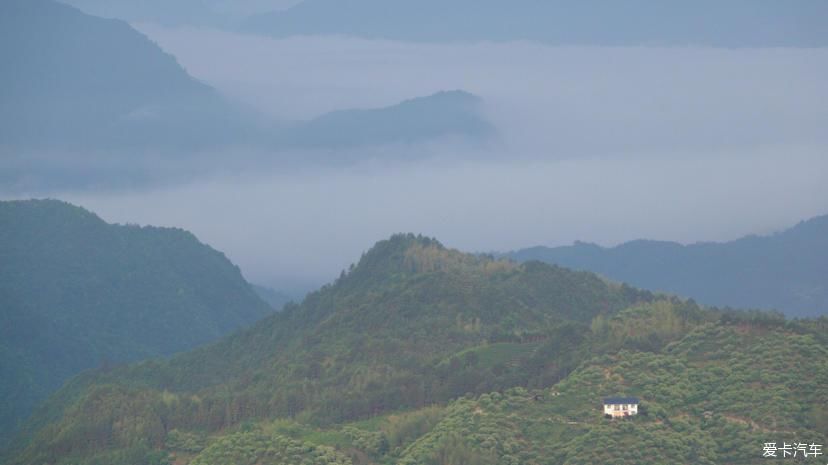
x,y
601,144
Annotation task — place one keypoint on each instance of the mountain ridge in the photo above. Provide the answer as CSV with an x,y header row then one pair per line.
x,y
741,23
781,271
78,293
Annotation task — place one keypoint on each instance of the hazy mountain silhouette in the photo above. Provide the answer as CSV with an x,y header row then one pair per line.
x,y
734,23
786,271
444,114
178,146
78,81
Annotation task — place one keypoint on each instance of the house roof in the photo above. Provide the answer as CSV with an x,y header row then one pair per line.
x,y
621,400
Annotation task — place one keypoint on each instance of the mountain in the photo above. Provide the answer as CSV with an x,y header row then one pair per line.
x,y
79,81
336,137
441,115
784,271
89,102
424,355
397,331
77,293
735,23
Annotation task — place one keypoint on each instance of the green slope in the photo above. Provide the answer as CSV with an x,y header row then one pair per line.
x,y
393,333
78,293
715,396
424,355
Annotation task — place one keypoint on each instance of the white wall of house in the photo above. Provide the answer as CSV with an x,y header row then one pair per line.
x,y
619,410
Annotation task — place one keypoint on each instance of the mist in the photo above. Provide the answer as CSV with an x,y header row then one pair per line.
x,y
551,98
602,144
304,228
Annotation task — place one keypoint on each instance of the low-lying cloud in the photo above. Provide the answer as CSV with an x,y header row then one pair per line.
x,y
596,144
550,101
305,227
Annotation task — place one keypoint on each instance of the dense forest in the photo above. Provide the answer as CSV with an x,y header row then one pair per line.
x,y
784,271
78,293
422,354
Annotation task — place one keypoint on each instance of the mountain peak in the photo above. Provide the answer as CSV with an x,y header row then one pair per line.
x,y
395,253
406,254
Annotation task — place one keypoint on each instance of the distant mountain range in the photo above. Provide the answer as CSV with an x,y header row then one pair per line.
x,y
787,271
77,293
732,23
92,102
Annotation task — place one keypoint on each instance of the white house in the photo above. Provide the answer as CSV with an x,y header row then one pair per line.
x,y
621,407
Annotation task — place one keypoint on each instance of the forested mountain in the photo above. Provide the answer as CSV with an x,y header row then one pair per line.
x,y
397,331
78,293
785,271
735,23
424,355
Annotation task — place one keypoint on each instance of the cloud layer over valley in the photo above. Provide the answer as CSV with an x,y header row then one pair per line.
x,y
601,144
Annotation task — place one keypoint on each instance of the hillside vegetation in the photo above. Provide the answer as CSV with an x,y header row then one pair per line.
x,y
411,325
714,396
78,293
424,355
